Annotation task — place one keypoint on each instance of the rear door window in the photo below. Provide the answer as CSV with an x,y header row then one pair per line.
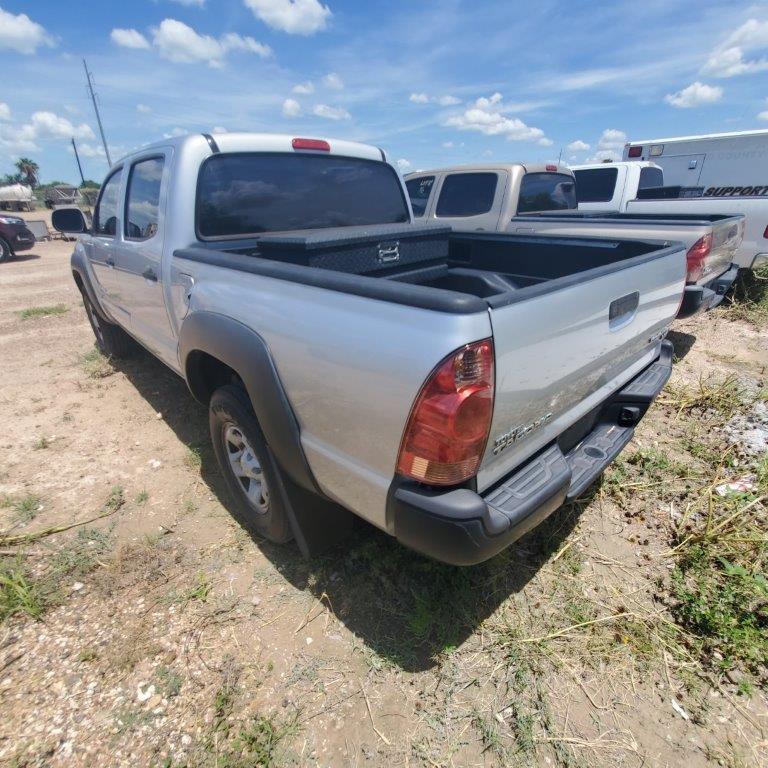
x,y
467,194
596,185
143,199
651,177
419,191
242,194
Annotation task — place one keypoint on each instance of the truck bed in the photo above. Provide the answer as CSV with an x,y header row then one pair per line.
x,y
572,320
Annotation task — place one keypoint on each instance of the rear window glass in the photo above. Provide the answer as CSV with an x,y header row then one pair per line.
x,y
546,192
241,194
466,194
419,191
651,177
595,185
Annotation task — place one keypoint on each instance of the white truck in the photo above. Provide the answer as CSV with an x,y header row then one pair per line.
x,y
541,200
638,186
452,389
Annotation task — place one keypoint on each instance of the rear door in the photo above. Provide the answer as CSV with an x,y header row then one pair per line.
x,y
681,170
420,189
470,200
600,189
141,251
559,354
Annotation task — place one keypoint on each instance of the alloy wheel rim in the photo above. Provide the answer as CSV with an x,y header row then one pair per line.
x,y
246,467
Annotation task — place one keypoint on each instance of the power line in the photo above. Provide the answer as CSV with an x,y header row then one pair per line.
x,y
98,116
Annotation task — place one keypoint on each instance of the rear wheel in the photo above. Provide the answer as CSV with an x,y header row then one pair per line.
x,y
247,464
111,339
5,250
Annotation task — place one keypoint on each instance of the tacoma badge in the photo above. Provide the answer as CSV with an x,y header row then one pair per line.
x,y
508,438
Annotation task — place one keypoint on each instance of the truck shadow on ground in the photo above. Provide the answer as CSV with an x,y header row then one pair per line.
x,y
405,608
682,342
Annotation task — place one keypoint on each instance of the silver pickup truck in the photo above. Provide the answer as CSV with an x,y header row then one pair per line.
x,y
452,389
541,199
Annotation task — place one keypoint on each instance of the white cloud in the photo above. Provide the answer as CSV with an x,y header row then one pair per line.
x,y
21,34
695,95
404,165
578,146
291,108
448,101
48,125
418,98
296,17
90,150
190,3
488,116
763,115
545,142
447,144
129,38
333,81
218,129
174,132
143,108
180,43
727,60
330,113
304,89
5,111
609,146
443,101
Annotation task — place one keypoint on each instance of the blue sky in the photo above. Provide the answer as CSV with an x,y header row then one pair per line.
x,y
431,82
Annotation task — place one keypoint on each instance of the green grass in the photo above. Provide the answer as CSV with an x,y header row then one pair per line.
x,y
709,397
169,681
194,457
19,592
42,444
749,298
142,497
200,590
26,508
32,312
96,365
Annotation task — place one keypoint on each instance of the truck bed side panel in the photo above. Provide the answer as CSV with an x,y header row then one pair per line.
x,y
351,367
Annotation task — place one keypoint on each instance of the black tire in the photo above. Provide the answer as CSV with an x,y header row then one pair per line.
x,y
229,413
111,339
5,250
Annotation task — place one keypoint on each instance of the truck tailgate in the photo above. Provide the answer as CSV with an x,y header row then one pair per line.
x,y
583,340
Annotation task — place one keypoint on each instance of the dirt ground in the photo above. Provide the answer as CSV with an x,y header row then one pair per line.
x,y
172,638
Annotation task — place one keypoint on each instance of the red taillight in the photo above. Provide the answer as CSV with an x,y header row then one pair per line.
x,y
765,233
323,146
551,167
448,427
635,152
696,255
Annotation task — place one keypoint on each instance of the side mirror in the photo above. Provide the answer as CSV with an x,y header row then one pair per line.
x,y
69,221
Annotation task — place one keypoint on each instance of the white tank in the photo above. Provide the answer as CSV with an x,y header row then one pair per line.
x,y
15,193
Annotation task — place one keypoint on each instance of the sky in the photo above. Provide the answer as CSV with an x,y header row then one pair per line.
x,y
433,83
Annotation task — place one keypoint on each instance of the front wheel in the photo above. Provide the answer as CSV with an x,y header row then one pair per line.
x,y
5,250
111,339
247,464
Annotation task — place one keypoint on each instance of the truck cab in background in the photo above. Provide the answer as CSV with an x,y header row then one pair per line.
x,y
608,186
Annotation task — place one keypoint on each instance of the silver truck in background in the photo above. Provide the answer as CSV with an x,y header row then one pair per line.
x,y
452,389
638,186
542,200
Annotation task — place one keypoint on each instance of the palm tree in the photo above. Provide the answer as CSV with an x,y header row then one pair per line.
x,y
29,170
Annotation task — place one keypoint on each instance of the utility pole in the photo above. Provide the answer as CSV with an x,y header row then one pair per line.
x,y
96,110
77,157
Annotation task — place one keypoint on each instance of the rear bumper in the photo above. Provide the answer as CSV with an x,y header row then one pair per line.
x,y
700,298
462,527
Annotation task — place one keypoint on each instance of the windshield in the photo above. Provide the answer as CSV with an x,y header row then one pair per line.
x,y
546,192
241,194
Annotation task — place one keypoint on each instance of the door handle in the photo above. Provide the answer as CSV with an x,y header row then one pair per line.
x,y
110,262
149,274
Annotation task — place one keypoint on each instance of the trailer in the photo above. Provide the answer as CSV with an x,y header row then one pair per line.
x,y
724,164
17,197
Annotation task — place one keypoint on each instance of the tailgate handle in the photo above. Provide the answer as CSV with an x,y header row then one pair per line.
x,y
622,310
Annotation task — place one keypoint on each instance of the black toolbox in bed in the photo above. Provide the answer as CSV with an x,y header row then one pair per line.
x,y
357,250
